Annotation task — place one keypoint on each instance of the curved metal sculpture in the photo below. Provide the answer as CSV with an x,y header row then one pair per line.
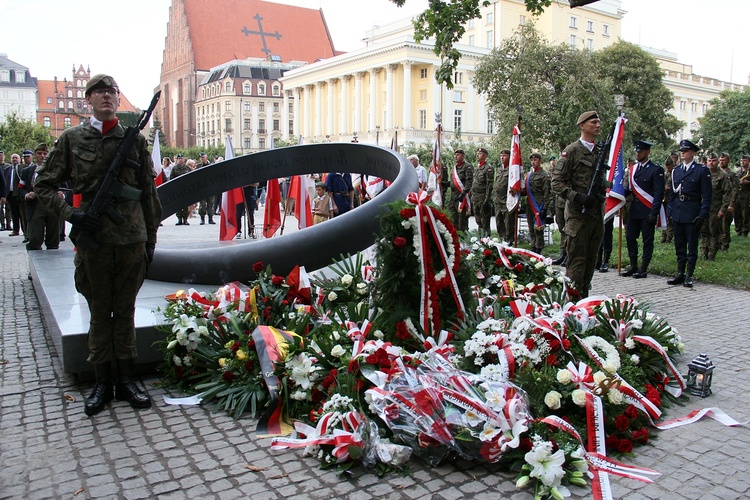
x,y
314,247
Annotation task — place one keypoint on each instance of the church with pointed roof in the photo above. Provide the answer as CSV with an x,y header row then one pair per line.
x,y
203,35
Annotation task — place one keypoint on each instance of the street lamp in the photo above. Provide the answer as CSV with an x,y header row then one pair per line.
x,y
354,139
700,375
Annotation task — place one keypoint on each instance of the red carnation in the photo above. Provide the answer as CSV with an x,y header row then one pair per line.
x,y
228,376
498,262
625,446
551,360
258,267
519,267
399,242
566,343
622,423
487,252
401,331
631,412
530,344
406,213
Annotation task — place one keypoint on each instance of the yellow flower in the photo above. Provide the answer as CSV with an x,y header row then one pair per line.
x,y
229,344
240,355
222,362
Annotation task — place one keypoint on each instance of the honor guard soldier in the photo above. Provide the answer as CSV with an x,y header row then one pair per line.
x,y
689,205
505,221
584,213
721,198
742,198
647,187
462,178
539,198
481,193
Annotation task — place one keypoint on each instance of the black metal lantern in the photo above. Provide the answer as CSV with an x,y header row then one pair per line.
x,y
700,373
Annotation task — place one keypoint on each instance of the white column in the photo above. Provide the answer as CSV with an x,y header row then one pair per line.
x,y
344,105
389,69
318,109
469,123
254,140
296,117
329,119
373,108
307,131
406,113
358,101
285,116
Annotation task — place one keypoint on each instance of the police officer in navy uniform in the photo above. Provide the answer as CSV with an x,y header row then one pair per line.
x,y
647,187
689,205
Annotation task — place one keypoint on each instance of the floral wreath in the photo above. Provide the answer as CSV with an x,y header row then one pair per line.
x,y
426,221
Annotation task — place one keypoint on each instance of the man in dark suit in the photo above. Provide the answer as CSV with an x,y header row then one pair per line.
x,y
42,225
689,204
647,186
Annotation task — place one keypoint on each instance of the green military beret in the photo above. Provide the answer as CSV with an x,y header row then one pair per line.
x,y
100,81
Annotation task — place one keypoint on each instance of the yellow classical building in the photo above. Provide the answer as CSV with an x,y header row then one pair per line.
x,y
388,87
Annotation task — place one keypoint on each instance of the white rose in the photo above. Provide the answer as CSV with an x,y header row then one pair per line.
x,y
337,351
552,400
564,376
332,296
378,334
335,335
579,397
362,288
598,377
346,279
615,397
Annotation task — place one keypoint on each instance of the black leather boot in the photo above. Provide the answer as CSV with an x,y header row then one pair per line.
x,y
561,259
643,271
689,277
211,219
203,220
126,388
102,391
631,270
604,266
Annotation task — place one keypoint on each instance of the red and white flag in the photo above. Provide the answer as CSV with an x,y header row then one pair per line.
x,y
156,159
299,193
514,171
229,200
272,215
436,168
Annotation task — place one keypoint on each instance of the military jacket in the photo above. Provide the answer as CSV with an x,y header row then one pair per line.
x,y
83,155
466,174
541,188
690,194
650,178
179,170
572,175
500,188
721,192
481,187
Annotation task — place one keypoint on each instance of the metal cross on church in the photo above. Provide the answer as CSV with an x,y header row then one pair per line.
x,y
263,34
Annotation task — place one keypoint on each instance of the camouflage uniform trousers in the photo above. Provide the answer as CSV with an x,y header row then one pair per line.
x,y
742,213
459,219
505,222
183,213
536,234
44,227
582,248
206,207
482,213
109,278
560,221
711,233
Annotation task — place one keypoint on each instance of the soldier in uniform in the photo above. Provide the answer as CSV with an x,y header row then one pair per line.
x,y
721,197
538,191
481,193
462,178
734,184
503,222
669,163
559,214
689,204
647,189
742,198
181,168
206,207
109,276
42,224
584,213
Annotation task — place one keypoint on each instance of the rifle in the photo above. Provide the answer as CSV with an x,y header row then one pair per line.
x,y
596,185
110,189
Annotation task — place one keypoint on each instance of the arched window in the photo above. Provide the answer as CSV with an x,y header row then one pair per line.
x,y
70,104
261,89
67,122
276,90
70,93
61,105
78,83
79,94
246,88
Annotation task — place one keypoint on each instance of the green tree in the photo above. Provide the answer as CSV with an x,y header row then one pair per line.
x,y
17,134
445,20
635,74
553,83
156,125
725,126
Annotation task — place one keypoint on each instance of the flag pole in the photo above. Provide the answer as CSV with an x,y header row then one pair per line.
x,y
519,110
619,241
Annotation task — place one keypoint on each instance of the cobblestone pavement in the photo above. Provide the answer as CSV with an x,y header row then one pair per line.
x,y
50,449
